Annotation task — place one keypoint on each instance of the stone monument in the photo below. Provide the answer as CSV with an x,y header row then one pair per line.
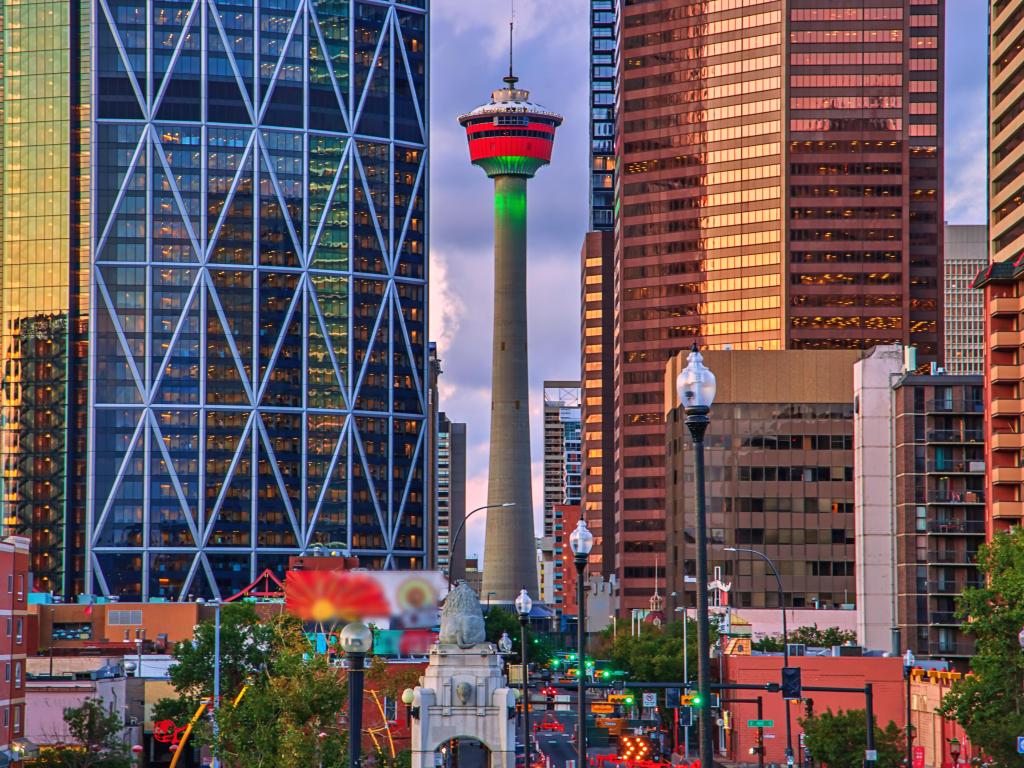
x,y
463,693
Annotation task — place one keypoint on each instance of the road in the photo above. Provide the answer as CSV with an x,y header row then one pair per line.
x,y
560,747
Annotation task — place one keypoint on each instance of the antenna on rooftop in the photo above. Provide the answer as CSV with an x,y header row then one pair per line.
x,y
511,80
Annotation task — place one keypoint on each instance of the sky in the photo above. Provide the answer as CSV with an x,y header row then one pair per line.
x,y
468,57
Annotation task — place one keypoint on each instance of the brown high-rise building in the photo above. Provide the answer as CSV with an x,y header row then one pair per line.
x,y
779,187
779,467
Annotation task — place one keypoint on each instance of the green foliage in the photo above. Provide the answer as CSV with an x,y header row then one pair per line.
x,y
288,717
656,655
810,636
97,736
498,620
291,695
246,646
839,740
989,703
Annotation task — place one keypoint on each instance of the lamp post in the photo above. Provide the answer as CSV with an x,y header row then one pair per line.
x,y
686,680
954,750
523,607
908,666
785,637
216,673
696,387
458,533
581,541
356,641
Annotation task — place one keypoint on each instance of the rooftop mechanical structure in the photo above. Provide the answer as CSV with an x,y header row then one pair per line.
x,y
510,138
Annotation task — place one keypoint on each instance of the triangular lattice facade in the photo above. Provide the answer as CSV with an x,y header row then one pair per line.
x,y
258,289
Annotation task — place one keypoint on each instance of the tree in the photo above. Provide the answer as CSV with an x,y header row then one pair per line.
x,y
291,694
288,716
656,655
97,736
811,636
839,740
499,620
989,703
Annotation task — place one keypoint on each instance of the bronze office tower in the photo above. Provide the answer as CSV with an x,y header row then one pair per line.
x,y
779,187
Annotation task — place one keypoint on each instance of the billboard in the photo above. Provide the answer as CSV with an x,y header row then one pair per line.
x,y
394,600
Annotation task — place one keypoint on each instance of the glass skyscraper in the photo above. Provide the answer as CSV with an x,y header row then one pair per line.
x,y
253,179
602,113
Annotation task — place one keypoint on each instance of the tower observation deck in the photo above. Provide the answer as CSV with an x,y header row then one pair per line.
x,y
510,138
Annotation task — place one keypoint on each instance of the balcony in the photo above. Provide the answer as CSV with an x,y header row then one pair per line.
x,y
955,405
1007,509
956,527
1005,373
956,497
1008,441
951,557
951,649
951,467
1007,408
953,587
1005,305
1007,475
1006,339
955,436
946,618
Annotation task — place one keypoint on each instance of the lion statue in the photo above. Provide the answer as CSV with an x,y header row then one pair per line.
x,y
462,622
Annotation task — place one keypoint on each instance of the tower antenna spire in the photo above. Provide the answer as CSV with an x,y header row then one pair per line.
x,y
511,80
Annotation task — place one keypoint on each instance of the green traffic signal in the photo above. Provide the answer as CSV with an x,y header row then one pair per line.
x,y
697,700
554,663
629,701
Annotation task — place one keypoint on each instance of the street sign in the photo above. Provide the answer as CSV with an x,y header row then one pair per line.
x,y
599,708
672,697
918,757
650,700
871,754
769,735
1020,745
760,723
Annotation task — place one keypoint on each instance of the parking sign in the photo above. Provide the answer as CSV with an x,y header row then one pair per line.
x,y
650,700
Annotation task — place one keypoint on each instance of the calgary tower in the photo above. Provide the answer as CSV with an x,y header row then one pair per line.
x,y
510,138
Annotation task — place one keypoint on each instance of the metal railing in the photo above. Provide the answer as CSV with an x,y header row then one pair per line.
x,y
956,526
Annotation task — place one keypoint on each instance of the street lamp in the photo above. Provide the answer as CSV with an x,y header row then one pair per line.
x,y
696,387
581,541
954,750
461,528
356,641
523,607
785,637
908,666
216,603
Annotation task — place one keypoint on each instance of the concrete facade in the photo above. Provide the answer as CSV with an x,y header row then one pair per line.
x,y
875,491
464,694
966,253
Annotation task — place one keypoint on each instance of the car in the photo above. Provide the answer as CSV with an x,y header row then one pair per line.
x,y
549,723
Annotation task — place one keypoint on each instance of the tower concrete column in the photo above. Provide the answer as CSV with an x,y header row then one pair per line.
x,y
509,548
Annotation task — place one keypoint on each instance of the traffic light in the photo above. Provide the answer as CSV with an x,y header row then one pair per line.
x,y
628,701
791,687
555,662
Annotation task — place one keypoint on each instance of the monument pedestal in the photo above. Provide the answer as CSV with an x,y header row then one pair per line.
x,y
464,694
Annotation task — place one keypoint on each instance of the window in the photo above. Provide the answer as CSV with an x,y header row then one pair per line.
x,y
10,582
122,618
7,672
17,674
7,716
21,583
18,636
17,721
9,622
